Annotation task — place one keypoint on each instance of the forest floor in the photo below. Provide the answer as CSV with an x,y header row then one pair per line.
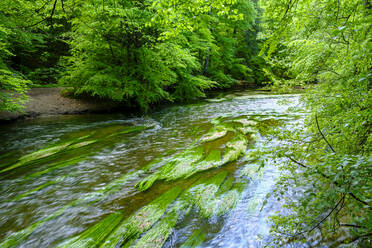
x,y
50,101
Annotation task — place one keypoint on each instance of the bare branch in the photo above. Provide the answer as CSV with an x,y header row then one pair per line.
x,y
317,124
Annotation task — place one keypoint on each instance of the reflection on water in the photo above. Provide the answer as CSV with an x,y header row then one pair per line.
x,y
89,174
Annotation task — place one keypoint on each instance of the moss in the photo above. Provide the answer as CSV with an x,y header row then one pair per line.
x,y
156,236
96,234
195,240
142,220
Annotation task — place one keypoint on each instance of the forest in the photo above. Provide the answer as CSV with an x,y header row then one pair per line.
x,y
143,53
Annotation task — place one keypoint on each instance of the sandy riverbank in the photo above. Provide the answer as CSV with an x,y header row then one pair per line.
x,y
50,101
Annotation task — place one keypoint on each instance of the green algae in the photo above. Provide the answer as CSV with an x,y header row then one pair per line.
x,y
214,136
58,165
245,122
39,154
21,196
69,145
250,170
235,148
204,191
180,166
156,236
213,160
226,186
217,201
196,239
95,235
142,220
16,238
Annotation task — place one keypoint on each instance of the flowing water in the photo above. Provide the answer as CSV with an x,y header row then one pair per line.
x,y
62,175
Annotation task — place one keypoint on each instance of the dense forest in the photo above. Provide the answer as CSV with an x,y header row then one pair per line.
x,y
144,52
139,52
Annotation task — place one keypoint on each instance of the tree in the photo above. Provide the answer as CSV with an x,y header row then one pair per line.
x,y
328,162
143,52
30,46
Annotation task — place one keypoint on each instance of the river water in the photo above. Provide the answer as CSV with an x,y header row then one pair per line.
x,y
54,195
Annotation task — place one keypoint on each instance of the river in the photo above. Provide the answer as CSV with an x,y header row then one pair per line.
x,y
194,169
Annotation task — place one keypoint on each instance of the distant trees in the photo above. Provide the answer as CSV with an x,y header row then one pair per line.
x,y
139,52
31,42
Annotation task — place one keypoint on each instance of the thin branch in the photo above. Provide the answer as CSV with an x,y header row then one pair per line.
x,y
362,236
317,124
323,219
51,14
351,225
300,164
329,178
63,6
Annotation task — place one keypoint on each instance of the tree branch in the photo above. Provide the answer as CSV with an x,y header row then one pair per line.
x,y
317,124
329,178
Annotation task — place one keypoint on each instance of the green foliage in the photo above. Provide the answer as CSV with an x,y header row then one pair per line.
x,y
143,52
328,161
137,52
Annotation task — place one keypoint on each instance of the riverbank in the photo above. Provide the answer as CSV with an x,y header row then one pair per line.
x,y
52,101
55,101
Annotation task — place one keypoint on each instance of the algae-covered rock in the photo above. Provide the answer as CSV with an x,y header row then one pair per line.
x,y
18,237
156,236
42,153
235,148
95,235
213,160
246,122
44,185
142,220
213,136
203,193
69,145
180,166
196,239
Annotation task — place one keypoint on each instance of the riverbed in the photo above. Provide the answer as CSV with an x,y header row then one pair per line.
x,y
184,176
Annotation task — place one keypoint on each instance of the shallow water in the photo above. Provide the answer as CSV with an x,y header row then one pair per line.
x,y
32,192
